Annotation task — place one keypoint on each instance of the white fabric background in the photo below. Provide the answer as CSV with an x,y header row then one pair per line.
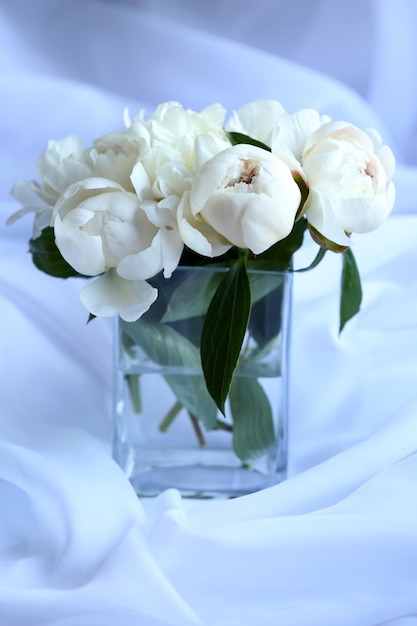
x,y
336,544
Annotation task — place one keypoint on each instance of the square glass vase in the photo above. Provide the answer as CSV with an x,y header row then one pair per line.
x,y
168,432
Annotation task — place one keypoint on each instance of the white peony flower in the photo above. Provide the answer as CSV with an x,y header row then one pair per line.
x,y
172,132
102,229
63,163
98,225
247,195
179,141
171,124
350,173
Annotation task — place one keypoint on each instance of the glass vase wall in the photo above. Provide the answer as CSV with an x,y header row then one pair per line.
x,y
167,431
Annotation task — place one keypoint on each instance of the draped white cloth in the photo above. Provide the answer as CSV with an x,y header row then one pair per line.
x,y
336,544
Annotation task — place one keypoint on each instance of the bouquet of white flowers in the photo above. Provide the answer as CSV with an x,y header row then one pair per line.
x,y
185,188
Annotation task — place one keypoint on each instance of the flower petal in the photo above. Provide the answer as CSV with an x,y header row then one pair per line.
x,y
144,264
110,295
321,216
257,119
171,249
293,130
84,252
198,235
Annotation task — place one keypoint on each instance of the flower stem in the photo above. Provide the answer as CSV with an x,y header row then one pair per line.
x,y
170,416
133,381
197,429
243,255
223,426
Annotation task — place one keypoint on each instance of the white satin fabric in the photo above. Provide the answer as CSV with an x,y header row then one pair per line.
x,y
336,544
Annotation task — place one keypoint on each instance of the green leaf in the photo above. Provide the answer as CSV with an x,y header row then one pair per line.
x,y
317,259
193,296
166,347
351,290
238,138
253,427
258,365
162,344
266,314
48,258
224,330
192,392
262,283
